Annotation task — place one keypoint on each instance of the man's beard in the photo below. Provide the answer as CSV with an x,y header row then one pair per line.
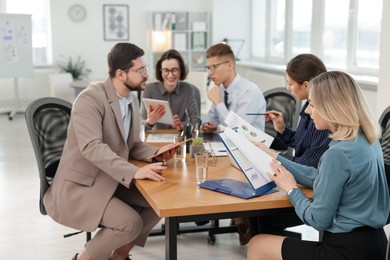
x,y
135,88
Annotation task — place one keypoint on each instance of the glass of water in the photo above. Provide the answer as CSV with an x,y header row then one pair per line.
x,y
181,152
201,162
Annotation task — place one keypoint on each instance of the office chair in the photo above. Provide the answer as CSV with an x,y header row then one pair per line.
x,y
385,144
47,122
280,99
385,138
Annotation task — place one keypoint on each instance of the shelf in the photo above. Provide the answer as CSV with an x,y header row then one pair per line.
x,y
188,33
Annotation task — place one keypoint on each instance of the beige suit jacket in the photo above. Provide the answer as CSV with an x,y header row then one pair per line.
x,y
95,158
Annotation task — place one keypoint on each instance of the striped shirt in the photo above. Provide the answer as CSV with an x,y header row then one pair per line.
x,y
308,142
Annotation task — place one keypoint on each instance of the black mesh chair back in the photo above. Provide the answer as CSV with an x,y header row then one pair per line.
x,y
282,100
47,123
385,144
385,138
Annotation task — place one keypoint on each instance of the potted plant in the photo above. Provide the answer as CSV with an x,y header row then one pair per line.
x,y
196,146
77,68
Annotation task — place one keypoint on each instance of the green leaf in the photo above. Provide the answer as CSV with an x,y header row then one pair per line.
x,y
77,68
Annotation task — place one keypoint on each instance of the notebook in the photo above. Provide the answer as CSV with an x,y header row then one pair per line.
x,y
257,184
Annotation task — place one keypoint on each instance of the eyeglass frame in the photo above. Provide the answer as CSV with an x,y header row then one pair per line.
x,y
213,67
166,71
142,70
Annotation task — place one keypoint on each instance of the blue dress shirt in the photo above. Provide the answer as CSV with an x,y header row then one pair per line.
x,y
244,97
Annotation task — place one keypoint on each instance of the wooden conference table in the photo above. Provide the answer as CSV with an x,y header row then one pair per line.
x,y
179,199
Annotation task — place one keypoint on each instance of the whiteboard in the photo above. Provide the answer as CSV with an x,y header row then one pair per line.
x,y
16,58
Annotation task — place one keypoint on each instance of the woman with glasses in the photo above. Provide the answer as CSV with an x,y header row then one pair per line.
x,y
170,73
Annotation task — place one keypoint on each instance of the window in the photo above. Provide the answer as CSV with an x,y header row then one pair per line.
x,y
277,29
344,34
368,34
41,37
301,27
335,33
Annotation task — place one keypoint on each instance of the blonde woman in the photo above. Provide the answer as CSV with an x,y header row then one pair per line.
x,y
350,195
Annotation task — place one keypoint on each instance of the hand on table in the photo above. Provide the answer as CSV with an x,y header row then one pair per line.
x,y
209,127
151,171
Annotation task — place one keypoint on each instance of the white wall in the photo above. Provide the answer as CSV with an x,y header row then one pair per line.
x,y
86,38
231,19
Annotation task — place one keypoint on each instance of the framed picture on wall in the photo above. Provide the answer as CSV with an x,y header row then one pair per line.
x,y
116,22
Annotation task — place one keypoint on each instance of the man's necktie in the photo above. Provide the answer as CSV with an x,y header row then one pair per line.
x,y
226,99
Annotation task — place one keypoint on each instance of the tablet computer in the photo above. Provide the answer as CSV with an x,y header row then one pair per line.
x,y
167,117
170,148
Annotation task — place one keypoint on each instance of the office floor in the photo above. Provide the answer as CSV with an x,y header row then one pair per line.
x,y
26,234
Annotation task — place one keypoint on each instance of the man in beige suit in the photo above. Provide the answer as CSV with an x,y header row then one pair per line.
x,y
94,181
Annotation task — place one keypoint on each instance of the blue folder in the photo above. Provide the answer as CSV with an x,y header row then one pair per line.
x,y
237,188
245,190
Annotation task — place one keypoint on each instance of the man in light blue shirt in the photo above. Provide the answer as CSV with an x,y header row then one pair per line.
x,y
231,91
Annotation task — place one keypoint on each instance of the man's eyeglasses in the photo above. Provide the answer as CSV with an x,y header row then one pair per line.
x,y
142,70
166,71
211,68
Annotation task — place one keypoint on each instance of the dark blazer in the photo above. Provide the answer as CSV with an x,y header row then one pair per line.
x,y
95,158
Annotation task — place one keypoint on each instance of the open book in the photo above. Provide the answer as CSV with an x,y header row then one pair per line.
x,y
252,161
247,130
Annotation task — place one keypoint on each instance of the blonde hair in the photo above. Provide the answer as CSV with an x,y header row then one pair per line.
x,y
339,100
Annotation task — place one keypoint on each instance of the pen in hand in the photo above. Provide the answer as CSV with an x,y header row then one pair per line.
x,y
255,114
262,114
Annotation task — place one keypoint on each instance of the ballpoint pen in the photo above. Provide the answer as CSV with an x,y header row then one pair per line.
x,y
255,114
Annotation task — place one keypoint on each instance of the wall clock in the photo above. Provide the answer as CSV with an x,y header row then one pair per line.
x,y
77,13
